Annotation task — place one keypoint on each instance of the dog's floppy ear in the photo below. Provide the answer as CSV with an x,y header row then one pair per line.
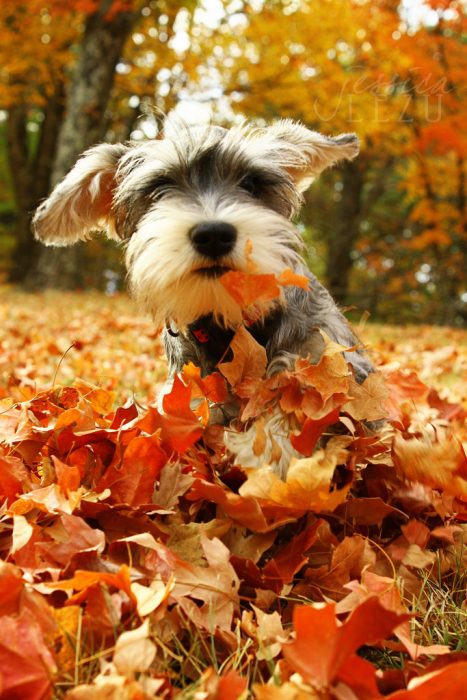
x,y
307,153
82,201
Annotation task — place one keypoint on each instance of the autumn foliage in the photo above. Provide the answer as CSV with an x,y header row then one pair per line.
x,y
141,560
387,231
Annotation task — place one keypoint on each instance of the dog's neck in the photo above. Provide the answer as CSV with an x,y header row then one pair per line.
x,y
211,341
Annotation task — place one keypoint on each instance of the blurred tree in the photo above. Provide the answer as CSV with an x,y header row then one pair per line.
x,y
60,98
32,94
327,64
434,176
107,24
356,65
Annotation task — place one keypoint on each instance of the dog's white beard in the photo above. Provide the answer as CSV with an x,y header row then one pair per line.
x,y
162,263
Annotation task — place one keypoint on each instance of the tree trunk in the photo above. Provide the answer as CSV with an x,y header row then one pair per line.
x,y
31,174
343,236
83,126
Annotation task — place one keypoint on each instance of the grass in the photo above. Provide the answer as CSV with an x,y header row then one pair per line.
x,y
441,608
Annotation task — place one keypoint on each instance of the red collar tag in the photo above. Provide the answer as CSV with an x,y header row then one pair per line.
x,y
201,335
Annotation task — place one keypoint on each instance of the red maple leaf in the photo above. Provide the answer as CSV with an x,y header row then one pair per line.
x,y
323,647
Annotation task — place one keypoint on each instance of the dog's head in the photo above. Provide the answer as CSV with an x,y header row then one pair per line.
x,y
193,205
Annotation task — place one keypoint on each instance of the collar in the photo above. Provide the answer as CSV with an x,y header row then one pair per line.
x,y
204,330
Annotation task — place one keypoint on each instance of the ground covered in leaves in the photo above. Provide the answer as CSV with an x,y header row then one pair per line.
x,y
140,559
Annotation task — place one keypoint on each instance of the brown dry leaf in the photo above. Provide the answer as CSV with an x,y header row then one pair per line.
x,y
17,599
212,387
82,581
447,682
406,386
228,686
349,560
49,499
389,595
101,400
269,633
367,511
245,511
308,485
259,443
22,533
446,533
68,536
292,556
173,484
215,586
246,373
330,375
416,532
185,539
268,646
250,359
418,558
149,598
132,478
134,651
368,401
372,584
248,546
306,441
110,685
68,477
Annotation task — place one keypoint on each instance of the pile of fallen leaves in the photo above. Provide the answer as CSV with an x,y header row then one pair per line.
x,y
141,559
52,338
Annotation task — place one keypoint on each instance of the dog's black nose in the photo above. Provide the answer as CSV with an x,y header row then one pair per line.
x,y
214,239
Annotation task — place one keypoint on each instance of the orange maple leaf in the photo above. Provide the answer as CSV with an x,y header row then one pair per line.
x,y
179,425
247,289
249,363
368,401
83,580
321,664
441,465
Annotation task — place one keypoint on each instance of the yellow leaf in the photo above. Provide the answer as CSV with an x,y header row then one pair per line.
x,y
367,400
308,485
68,620
441,465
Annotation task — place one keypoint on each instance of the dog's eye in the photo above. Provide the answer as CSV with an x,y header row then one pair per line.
x,y
250,184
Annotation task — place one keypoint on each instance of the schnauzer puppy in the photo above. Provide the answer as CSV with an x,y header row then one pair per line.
x,y
194,205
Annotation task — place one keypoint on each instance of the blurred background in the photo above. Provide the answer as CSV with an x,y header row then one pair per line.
x,y
386,232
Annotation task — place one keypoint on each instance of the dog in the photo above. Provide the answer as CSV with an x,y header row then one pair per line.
x,y
194,205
